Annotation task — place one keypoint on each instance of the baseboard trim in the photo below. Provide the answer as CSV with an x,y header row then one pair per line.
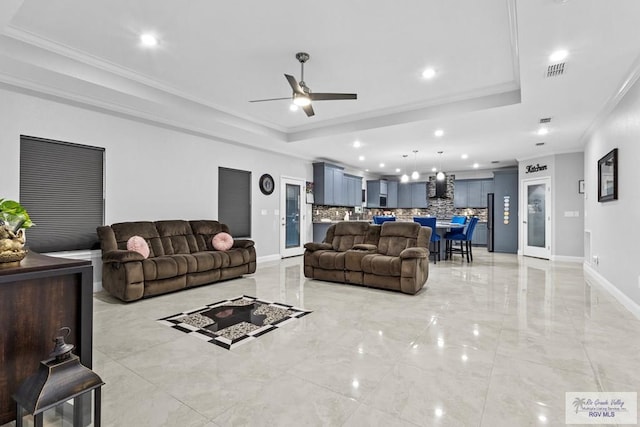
x,y
564,258
623,299
268,258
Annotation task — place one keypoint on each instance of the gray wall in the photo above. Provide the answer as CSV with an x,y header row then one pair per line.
x,y
613,226
151,173
569,206
505,183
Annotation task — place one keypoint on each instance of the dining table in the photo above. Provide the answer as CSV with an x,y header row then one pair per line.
x,y
442,227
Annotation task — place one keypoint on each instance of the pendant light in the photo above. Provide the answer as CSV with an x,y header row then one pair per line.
x,y
404,178
415,175
440,175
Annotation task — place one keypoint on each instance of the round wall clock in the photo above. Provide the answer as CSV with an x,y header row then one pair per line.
x,y
266,184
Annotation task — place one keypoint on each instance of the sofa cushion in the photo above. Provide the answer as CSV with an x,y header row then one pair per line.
x,y
123,231
347,233
330,260
397,236
222,241
138,244
204,230
382,265
176,237
164,267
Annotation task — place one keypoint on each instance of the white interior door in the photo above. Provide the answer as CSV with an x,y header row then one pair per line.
x,y
292,217
536,221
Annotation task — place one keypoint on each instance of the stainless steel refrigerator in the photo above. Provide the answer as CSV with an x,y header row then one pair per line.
x,y
490,221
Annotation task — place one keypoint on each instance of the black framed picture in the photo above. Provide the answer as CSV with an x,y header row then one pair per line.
x,y
608,177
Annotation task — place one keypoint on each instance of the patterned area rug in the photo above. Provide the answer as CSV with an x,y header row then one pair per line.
x,y
232,322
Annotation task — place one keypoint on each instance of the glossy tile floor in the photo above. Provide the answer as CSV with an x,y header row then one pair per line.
x,y
494,343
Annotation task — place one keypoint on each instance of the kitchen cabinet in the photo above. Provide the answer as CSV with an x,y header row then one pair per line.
x,y
392,194
377,193
472,193
352,190
480,234
412,195
327,183
419,195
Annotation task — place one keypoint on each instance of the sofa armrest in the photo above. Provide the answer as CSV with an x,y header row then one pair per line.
x,y
365,247
121,256
313,246
415,252
243,243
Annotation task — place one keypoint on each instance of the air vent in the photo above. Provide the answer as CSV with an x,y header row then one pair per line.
x,y
539,144
555,70
495,161
545,120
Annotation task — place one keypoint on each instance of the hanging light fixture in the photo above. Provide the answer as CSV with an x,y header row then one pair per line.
x,y
415,174
404,178
440,175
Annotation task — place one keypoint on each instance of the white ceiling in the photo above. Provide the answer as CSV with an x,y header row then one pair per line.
x,y
488,95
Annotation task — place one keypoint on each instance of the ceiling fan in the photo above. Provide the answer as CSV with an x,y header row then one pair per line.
x,y
302,95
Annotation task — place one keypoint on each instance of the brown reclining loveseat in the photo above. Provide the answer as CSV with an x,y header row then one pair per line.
x,y
181,256
393,255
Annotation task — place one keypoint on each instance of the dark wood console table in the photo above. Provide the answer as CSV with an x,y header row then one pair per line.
x,y
37,298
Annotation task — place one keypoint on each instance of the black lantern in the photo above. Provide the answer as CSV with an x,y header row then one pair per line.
x,y
59,379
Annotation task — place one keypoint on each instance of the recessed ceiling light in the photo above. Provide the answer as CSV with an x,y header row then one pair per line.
x,y
434,169
366,170
356,144
543,131
429,73
381,165
476,166
558,55
293,107
148,40
397,170
439,133
361,158
464,156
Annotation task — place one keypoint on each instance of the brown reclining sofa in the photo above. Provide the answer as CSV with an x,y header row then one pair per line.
x,y
181,256
394,255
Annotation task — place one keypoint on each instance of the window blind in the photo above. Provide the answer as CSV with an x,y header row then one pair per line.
x,y
234,200
61,186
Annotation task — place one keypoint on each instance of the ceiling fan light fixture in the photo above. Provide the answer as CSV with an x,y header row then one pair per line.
x,y
293,107
301,100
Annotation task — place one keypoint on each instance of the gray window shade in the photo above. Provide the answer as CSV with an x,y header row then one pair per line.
x,y
234,200
61,186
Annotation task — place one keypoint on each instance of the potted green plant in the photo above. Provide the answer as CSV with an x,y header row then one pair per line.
x,y
13,219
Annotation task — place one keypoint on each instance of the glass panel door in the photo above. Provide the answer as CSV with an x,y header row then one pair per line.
x,y
537,219
292,215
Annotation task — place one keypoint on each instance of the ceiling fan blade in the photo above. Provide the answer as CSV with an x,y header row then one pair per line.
x,y
332,96
309,110
270,99
294,84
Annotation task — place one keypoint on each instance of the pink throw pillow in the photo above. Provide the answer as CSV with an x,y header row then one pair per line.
x,y
222,241
138,244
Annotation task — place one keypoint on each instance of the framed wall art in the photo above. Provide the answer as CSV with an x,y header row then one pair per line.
x,y
608,177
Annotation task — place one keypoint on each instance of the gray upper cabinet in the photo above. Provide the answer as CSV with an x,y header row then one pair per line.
x,y
352,190
373,193
392,194
412,195
472,193
327,183
419,195
404,195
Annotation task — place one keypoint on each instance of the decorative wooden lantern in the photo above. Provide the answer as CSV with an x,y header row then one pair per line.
x,y
59,379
